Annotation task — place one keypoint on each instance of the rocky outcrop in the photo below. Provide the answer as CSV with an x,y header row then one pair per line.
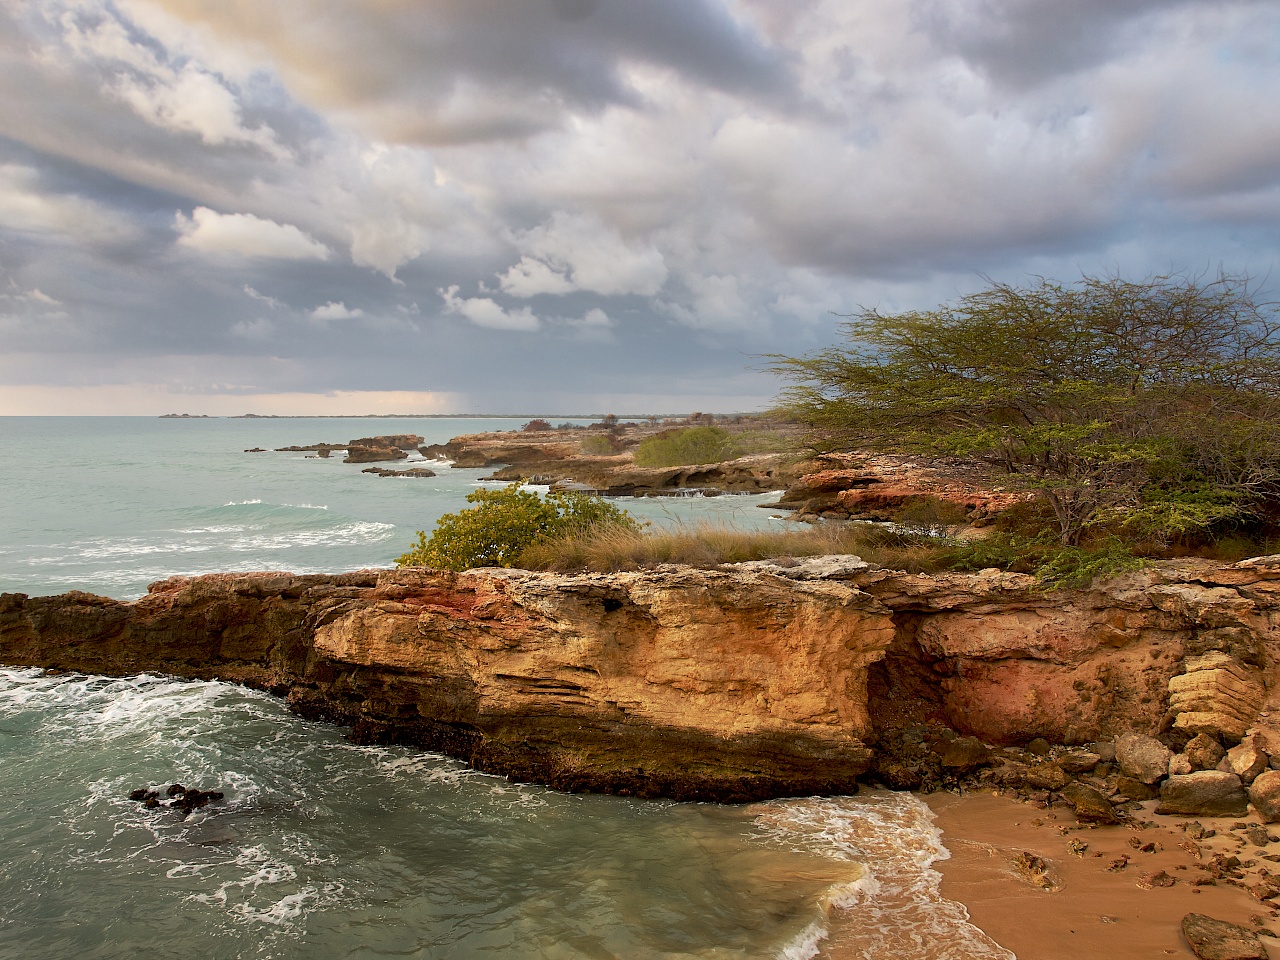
x,y
557,458
755,680
883,487
418,473
681,683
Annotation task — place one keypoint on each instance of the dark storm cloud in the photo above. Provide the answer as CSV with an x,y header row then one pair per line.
x,y
1029,41
460,70
518,204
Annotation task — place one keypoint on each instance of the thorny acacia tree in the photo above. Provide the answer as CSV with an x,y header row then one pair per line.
x,y
1151,403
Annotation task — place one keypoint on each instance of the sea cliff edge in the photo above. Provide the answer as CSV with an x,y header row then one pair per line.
x,y
750,681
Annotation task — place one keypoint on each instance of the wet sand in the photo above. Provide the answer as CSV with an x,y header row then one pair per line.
x,y
1094,906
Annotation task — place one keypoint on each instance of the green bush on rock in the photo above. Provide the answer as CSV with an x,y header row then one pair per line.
x,y
686,447
504,522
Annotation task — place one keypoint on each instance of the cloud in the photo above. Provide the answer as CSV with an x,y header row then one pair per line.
x,y
181,97
484,312
335,311
258,329
570,253
451,72
28,206
243,234
253,294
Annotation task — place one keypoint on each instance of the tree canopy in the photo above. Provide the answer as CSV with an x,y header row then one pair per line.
x,y
1152,403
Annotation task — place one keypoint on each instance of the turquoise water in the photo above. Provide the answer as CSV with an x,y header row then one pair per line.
x,y
110,504
322,849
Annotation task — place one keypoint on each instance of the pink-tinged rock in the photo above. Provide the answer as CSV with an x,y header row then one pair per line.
x,y
1204,752
1264,794
1143,758
1247,760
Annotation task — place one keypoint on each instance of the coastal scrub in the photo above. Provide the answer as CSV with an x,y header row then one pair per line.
x,y
504,522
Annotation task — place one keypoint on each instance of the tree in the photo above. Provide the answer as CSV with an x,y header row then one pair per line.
x,y
1108,398
503,522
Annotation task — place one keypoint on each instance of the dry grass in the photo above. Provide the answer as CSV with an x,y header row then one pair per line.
x,y
709,545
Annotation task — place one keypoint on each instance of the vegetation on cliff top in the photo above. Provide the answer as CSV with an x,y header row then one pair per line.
x,y
1136,411
505,522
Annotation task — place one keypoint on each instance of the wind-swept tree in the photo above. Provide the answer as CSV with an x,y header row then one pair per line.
x,y
1154,403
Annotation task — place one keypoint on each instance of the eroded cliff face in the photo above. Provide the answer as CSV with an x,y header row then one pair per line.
x,y
677,682
752,681
1182,647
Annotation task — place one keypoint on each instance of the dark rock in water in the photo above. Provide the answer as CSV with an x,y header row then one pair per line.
x,y
181,798
1206,793
418,472
256,450
1218,940
1090,805
373,454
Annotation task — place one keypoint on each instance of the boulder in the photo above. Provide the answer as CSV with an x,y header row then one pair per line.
x,y
373,454
1218,940
1077,760
1204,752
964,754
1264,794
1247,760
1046,776
1143,758
1205,793
1179,765
1090,805
1131,789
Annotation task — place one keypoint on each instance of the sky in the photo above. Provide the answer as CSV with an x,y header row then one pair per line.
x,y
586,206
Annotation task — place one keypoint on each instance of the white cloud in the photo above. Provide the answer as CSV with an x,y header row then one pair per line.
x,y
570,253
183,98
245,235
253,294
484,312
336,311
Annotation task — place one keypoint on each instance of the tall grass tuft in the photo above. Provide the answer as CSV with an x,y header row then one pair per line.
x,y
705,545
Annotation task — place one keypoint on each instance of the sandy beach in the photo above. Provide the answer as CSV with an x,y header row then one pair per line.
x,y
1112,897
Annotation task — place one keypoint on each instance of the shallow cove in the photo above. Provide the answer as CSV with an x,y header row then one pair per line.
x,y
323,849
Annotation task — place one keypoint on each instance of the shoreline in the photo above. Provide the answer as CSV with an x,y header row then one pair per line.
x,y
1087,909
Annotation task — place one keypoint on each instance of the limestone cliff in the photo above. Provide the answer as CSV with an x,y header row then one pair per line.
x,y
764,679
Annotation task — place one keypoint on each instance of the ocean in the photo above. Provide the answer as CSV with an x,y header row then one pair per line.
x,y
323,849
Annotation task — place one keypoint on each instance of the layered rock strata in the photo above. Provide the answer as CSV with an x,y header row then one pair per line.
x,y
681,683
764,679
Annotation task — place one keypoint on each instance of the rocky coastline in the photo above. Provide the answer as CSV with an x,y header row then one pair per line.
x,y
1134,721
751,681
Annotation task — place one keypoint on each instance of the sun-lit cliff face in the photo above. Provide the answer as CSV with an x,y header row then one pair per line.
x,y
755,680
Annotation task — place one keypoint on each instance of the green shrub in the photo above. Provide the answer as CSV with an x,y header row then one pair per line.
x,y
504,522
686,447
600,445
1052,563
